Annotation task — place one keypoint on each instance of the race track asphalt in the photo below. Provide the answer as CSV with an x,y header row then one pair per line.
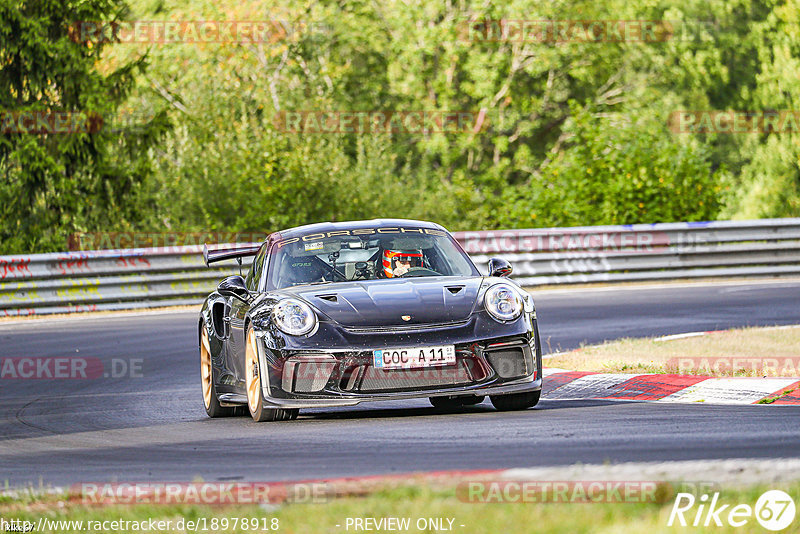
x,y
152,427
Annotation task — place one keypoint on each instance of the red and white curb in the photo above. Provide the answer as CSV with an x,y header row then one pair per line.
x,y
560,384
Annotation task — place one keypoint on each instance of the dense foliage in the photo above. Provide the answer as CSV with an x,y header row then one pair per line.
x,y
78,177
572,132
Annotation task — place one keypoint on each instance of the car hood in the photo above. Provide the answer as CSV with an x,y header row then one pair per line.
x,y
385,302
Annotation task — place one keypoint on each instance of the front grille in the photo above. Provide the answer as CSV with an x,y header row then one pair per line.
x,y
508,363
401,379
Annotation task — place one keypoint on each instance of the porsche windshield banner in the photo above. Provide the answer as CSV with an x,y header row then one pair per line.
x,y
360,232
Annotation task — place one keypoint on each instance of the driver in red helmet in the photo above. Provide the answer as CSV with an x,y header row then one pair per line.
x,y
399,262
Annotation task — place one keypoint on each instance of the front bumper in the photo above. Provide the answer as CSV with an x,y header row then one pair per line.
x,y
307,378
524,385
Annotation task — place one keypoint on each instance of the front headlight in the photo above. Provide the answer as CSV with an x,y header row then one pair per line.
x,y
294,317
503,302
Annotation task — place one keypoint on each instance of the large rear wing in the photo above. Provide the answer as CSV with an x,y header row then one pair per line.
x,y
228,252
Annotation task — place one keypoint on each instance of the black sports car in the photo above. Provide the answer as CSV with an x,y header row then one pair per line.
x,y
334,314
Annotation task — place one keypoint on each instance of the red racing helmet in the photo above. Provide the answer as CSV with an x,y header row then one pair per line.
x,y
394,259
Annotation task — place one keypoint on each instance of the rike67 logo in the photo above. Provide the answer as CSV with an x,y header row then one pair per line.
x,y
774,510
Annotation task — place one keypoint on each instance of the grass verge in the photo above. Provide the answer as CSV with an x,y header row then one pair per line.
x,y
771,351
417,502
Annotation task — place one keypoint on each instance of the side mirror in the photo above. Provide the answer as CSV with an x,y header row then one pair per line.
x,y
499,267
233,286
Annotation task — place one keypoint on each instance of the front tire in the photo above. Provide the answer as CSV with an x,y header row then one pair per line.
x,y
255,398
210,400
516,401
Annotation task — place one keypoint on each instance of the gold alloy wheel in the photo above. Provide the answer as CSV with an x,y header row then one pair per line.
x,y
255,399
253,378
205,368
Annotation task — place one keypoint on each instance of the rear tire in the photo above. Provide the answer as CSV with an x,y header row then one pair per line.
x,y
516,401
255,398
210,400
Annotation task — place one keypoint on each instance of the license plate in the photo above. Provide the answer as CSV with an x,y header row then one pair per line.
x,y
414,358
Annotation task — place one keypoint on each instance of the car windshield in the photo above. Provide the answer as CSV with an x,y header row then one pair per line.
x,y
366,254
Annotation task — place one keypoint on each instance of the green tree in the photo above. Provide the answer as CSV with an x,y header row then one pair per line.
x,y
769,182
617,171
56,183
574,132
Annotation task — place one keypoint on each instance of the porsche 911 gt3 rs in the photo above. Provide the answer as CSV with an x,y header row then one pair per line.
x,y
335,314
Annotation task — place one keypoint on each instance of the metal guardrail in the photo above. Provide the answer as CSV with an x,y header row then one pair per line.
x,y
664,251
72,282
151,277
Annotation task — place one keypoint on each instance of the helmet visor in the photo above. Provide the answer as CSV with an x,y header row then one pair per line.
x,y
408,259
